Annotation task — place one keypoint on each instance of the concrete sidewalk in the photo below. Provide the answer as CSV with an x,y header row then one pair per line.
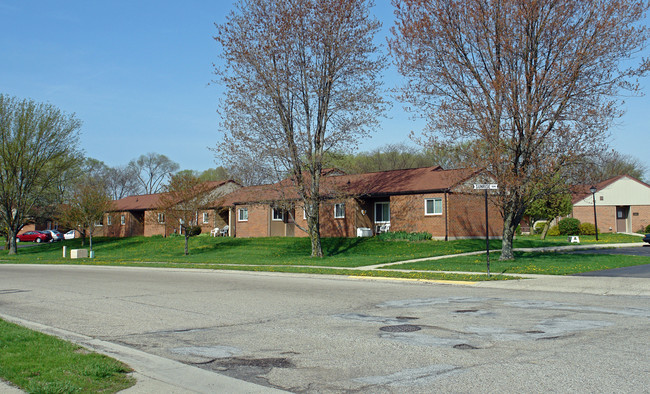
x,y
154,374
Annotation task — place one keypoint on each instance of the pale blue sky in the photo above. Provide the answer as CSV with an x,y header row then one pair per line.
x,y
137,74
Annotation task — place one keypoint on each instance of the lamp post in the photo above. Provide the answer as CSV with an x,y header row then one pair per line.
x,y
593,196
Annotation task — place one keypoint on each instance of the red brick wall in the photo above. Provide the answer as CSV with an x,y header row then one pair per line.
x,y
467,216
643,219
407,214
257,224
133,226
606,216
338,227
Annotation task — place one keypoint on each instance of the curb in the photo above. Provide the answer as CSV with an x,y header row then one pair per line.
x,y
154,374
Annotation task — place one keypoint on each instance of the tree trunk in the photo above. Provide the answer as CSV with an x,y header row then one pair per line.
x,y
13,248
545,230
187,238
314,229
509,226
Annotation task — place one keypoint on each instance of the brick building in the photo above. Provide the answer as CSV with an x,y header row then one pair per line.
x,y
622,204
429,199
139,215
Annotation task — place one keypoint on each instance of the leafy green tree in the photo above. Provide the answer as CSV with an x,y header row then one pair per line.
x,y
549,208
37,142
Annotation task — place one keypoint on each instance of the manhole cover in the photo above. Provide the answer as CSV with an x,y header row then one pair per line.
x,y
464,346
401,328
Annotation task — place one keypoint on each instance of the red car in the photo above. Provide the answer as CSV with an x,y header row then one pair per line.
x,y
34,236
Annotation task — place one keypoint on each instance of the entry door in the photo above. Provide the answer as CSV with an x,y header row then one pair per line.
x,y
622,214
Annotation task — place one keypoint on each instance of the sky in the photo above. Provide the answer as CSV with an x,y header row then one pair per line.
x,y
138,74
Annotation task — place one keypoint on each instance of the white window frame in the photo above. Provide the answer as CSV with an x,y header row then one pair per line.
x,y
433,200
206,217
108,220
275,218
161,217
375,213
122,220
240,215
340,206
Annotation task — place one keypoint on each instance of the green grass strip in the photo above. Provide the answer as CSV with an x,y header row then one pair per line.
x,y
531,263
40,363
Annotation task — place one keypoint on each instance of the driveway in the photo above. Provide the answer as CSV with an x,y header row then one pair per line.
x,y
304,333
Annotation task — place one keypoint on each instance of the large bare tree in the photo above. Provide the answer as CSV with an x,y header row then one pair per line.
x,y
37,142
533,83
301,78
152,171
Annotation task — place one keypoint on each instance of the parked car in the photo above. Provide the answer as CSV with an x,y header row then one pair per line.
x,y
646,238
55,234
34,236
69,235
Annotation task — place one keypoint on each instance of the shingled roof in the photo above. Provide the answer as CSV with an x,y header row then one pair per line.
x,y
152,201
413,180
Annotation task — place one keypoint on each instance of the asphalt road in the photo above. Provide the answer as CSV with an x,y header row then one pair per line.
x,y
639,271
323,334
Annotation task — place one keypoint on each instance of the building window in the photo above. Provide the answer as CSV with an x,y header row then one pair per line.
x,y
161,217
108,220
433,206
206,218
122,220
278,214
339,211
382,212
243,214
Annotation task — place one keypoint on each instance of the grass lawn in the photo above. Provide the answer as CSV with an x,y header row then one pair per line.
x,y
270,253
39,363
531,263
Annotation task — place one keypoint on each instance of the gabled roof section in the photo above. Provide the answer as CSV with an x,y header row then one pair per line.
x,y
580,192
153,201
413,180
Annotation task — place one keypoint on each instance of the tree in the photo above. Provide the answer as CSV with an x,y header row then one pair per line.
x,y
87,205
534,84
37,142
181,201
152,170
611,164
122,181
549,208
214,174
301,79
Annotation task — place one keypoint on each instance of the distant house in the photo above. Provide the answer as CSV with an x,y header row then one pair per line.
x,y
138,215
428,199
622,204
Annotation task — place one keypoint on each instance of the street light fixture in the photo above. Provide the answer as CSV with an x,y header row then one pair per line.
x,y
593,196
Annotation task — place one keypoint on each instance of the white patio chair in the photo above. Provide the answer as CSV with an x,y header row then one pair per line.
x,y
214,232
224,231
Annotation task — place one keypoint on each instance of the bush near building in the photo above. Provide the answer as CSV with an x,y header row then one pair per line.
x,y
569,226
587,229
